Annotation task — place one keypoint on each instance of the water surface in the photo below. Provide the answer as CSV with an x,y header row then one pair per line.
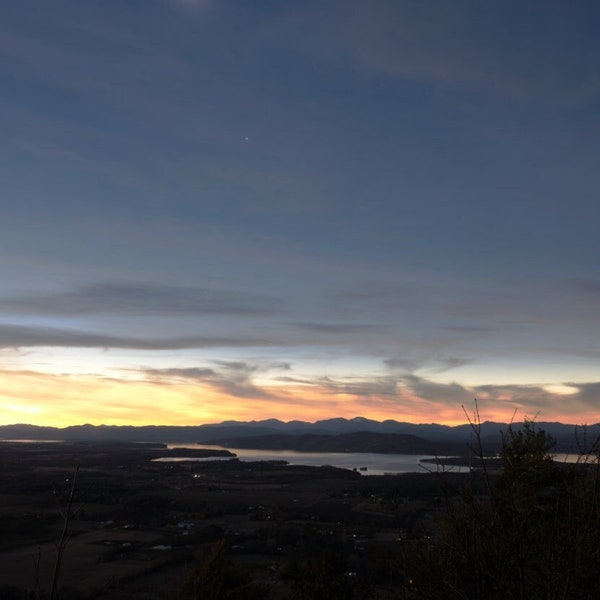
x,y
368,463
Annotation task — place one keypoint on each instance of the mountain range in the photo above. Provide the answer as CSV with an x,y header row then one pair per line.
x,y
334,435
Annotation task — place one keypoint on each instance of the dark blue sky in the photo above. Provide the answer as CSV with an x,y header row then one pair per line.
x,y
384,207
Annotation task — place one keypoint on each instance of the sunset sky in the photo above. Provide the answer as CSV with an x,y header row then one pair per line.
x,y
234,209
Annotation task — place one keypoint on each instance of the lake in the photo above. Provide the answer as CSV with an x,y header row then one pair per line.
x,y
369,463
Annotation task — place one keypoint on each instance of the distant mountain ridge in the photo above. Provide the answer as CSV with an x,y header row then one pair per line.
x,y
361,441
263,434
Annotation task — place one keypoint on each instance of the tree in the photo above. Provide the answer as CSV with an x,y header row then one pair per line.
x,y
213,577
532,534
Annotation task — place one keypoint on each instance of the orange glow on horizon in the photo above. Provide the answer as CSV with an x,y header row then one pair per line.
x,y
62,400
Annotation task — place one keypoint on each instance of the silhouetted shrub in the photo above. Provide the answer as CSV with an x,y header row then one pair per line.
x,y
532,535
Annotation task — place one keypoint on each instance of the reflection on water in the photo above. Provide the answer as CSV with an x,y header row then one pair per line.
x,y
575,458
366,463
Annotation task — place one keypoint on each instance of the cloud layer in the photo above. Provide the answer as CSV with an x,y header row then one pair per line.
x,y
141,299
16,336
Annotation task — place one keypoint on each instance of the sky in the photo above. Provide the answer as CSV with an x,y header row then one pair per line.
x,y
223,209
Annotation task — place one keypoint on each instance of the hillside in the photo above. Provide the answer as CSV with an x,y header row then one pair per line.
x,y
331,435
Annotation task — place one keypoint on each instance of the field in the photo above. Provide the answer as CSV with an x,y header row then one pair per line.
x,y
139,528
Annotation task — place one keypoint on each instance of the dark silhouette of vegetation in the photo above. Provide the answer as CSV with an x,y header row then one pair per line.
x,y
321,565
67,514
532,534
214,577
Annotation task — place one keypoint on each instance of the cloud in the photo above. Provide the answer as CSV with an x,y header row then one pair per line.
x,y
263,367
142,299
590,286
339,328
194,4
411,394
583,403
403,364
453,363
525,398
362,387
544,53
17,336
410,365
446,393
300,380
474,330
587,394
376,293
183,374
234,378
